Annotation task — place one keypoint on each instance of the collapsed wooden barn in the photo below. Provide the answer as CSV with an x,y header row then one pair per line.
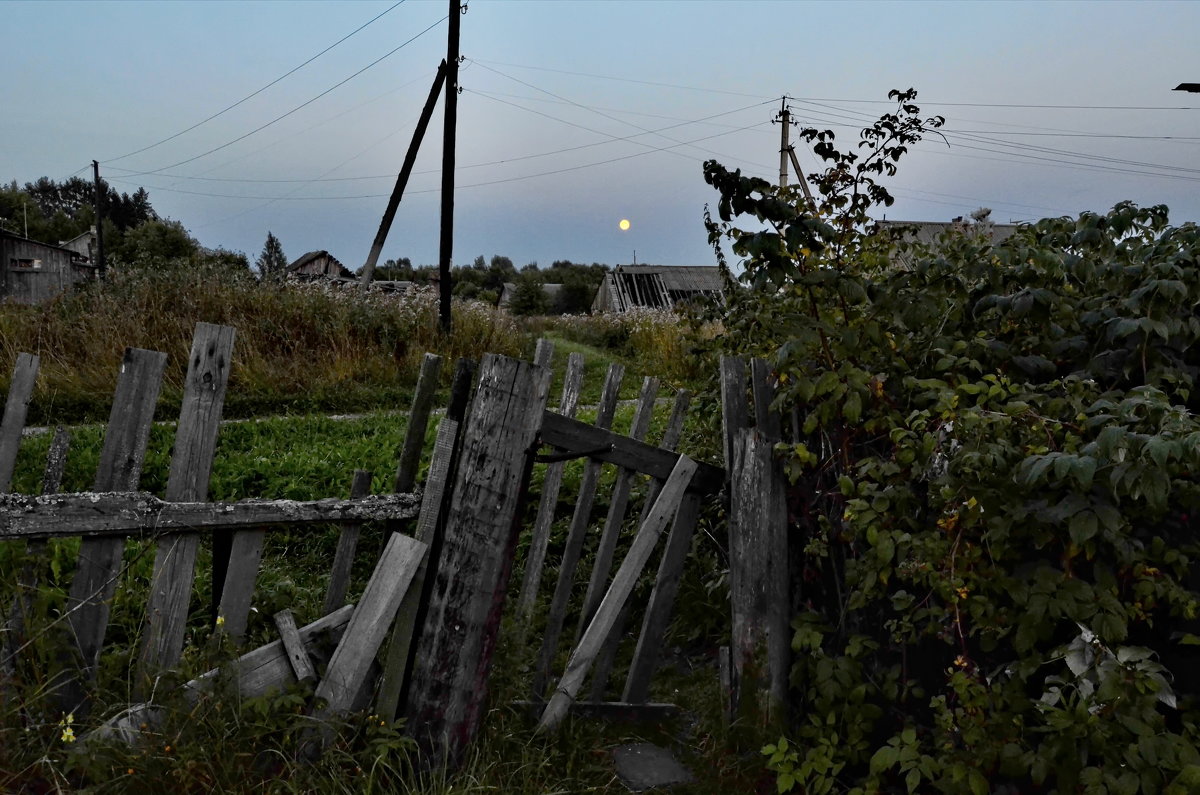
x,y
656,286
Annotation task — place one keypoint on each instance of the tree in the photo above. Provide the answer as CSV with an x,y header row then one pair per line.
x,y
529,298
992,489
272,262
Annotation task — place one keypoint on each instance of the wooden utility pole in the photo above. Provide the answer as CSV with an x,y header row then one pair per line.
x,y
99,219
448,137
787,151
389,214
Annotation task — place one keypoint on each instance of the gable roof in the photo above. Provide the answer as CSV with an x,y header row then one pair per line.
x,y
341,271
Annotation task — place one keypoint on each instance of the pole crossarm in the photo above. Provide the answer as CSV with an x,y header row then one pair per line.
x,y
139,513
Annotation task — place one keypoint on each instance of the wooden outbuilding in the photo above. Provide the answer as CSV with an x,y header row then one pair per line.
x,y
35,272
320,266
656,286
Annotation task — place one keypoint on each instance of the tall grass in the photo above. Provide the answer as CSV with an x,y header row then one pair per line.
x,y
299,347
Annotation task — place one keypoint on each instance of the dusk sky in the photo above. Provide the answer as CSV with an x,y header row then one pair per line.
x,y
576,115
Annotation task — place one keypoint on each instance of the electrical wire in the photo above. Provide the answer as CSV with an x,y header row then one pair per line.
x,y
298,107
254,94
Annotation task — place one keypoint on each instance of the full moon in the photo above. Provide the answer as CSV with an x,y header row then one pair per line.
x,y
624,224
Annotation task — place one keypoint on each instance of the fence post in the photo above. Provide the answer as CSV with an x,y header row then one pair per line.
x,y
449,680
16,407
191,466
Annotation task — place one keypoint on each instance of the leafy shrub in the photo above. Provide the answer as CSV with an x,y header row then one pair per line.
x,y
992,498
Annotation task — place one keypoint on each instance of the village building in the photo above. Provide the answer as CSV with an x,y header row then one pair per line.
x,y
656,287
930,232
35,272
320,266
551,291
84,245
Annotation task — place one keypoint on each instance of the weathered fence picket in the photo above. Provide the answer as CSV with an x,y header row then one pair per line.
x,y
418,422
449,680
16,408
187,481
343,556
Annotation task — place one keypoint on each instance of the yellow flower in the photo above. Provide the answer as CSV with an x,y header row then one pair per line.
x,y
68,735
220,621
960,661
962,593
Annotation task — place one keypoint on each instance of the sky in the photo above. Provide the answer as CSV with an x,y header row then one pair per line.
x,y
575,115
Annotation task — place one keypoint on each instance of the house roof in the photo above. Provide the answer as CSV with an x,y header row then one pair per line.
x,y
14,236
680,277
930,231
315,255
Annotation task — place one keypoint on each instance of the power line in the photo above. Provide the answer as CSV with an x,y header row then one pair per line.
x,y
623,79
259,91
298,107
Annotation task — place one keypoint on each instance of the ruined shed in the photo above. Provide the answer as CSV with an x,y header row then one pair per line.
x,y
35,272
320,266
656,286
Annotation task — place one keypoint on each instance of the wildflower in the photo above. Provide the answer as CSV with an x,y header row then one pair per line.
x,y
960,661
68,735
220,621
962,593
129,772
166,749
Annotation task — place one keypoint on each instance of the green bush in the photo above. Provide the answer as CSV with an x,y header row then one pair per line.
x,y
993,495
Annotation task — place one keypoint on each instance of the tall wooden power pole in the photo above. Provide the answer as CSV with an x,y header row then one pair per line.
x,y
99,220
788,152
448,138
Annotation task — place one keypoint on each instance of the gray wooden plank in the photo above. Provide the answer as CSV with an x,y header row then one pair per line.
x,y
662,602
343,557
734,416
614,448
395,666
418,423
450,676
245,554
98,571
618,503
576,535
622,586
763,386
551,485
369,625
137,513
191,466
16,408
297,655
543,353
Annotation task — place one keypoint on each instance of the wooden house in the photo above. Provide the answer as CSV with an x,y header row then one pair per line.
x,y
320,266
656,286
35,272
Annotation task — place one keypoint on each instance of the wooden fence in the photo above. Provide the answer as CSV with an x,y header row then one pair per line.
x,y
439,588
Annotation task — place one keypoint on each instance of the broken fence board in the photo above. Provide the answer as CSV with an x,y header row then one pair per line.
x,y
551,484
734,417
343,557
543,353
576,536
369,625
763,386
138,513
449,680
16,408
618,503
191,465
418,422
245,554
293,646
622,586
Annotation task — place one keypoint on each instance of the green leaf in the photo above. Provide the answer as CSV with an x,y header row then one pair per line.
x,y
884,759
852,408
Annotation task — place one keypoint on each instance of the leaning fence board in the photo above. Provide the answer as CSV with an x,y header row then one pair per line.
x,y
543,353
613,448
626,577
237,591
418,422
449,679
662,601
618,502
16,408
396,666
551,484
602,669
191,466
575,537
140,513
372,618
343,557
120,468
